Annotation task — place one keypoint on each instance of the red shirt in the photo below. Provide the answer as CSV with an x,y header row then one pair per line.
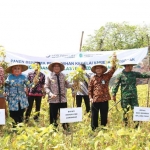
x,y
98,88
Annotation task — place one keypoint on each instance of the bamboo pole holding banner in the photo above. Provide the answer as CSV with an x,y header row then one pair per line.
x,y
74,99
148,79
81,41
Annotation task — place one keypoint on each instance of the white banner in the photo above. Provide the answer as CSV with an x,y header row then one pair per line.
x,y
72,60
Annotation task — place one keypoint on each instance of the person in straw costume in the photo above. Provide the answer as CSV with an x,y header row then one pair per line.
x,y
55,87
127,80
15,93
98,90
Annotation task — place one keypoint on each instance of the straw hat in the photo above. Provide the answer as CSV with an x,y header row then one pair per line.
x,y
9,69
104,68
128,62
50,67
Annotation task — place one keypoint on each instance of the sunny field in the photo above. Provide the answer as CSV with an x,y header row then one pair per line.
x,y
40,136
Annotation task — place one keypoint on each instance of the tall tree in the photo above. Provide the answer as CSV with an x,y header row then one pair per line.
x,y
115,36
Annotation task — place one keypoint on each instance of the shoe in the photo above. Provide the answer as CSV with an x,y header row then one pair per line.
x,y
36,120
26,119
126,124
67,131
66,128
14,125
136,126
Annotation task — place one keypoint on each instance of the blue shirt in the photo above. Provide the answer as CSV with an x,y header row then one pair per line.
x,y
15,91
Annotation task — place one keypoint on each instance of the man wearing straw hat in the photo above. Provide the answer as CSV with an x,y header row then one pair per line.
x,y
55,87
14,91
98,90
127,80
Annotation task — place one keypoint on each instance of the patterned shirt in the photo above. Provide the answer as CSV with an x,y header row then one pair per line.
x,y
38,88
127,80
15,91
99,86
51,87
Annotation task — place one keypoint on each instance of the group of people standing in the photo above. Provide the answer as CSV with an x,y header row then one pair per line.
x,y
95,91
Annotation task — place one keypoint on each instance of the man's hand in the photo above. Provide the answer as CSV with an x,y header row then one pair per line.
x,y
91,100
73,95
44,94
53,96
5,94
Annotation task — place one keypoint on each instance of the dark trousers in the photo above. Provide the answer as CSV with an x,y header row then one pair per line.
x,y
17,115
125,103
103,107
31,100
54,108
86,101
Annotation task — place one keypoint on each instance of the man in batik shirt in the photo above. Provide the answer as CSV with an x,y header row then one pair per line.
x,y
55,88
98,90
127,80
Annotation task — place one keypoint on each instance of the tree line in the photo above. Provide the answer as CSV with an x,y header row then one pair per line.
x,y
118,36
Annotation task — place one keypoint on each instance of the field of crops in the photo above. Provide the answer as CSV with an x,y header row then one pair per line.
x,y
41,136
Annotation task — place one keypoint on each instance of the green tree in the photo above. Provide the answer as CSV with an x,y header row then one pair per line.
x,y
115,36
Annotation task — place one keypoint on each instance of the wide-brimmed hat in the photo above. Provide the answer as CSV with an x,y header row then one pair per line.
x,y
128,62
50,67
9,69
97,65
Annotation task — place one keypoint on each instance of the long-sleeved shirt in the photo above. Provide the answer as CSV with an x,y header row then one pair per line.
x,y
127,80
98,88
37,90
15,91
51,87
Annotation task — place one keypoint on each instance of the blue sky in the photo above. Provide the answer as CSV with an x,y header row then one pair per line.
x,y
41,27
